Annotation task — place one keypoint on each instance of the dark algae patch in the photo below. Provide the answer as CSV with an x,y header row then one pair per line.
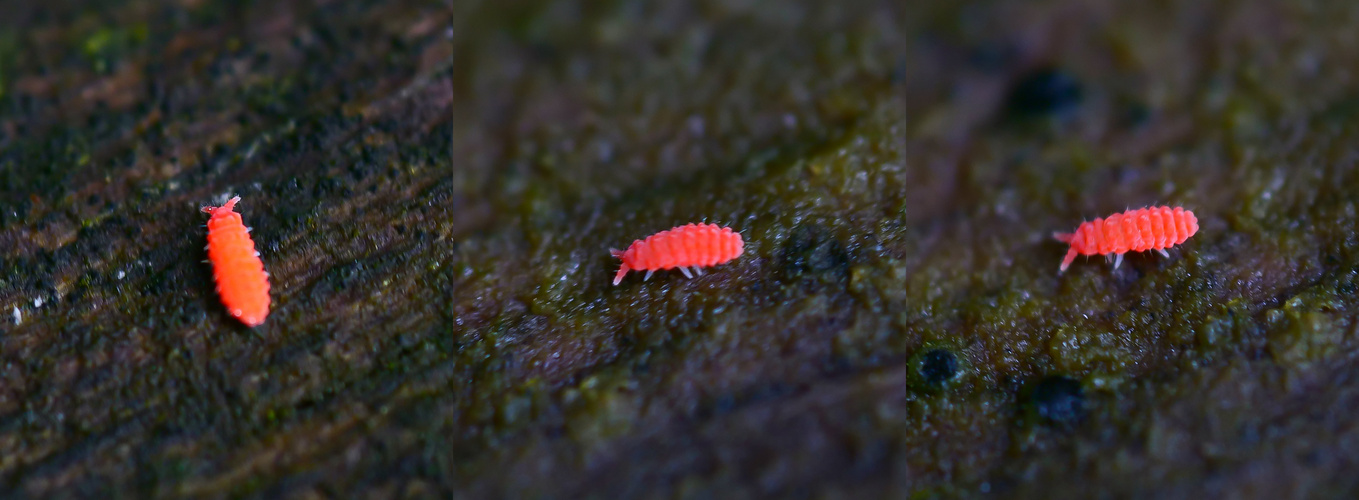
x,y
434,188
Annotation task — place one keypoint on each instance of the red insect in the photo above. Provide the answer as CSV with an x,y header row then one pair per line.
x,y
1153,228
241,280
687,246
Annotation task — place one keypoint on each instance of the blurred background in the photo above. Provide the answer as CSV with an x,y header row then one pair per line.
x,y
434,188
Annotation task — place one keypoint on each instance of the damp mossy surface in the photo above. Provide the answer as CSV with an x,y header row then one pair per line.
x,y
435,187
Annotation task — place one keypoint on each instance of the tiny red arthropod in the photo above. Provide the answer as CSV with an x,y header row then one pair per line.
x,y
1152,228
241,280
687,246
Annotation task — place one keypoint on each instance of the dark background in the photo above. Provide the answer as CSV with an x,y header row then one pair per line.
x,y
434,188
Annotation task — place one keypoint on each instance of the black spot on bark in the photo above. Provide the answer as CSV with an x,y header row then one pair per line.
x,y
938,366
934,368
1047,91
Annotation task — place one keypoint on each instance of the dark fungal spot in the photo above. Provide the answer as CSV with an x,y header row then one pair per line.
x,y
1046,91
938,366
933,368
1059,401
812,252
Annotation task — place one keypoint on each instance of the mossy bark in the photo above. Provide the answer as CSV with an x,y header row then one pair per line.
x,y
434,188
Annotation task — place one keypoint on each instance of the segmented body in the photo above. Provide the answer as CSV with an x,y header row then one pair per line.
x,y
1152,228
242,282
688,246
